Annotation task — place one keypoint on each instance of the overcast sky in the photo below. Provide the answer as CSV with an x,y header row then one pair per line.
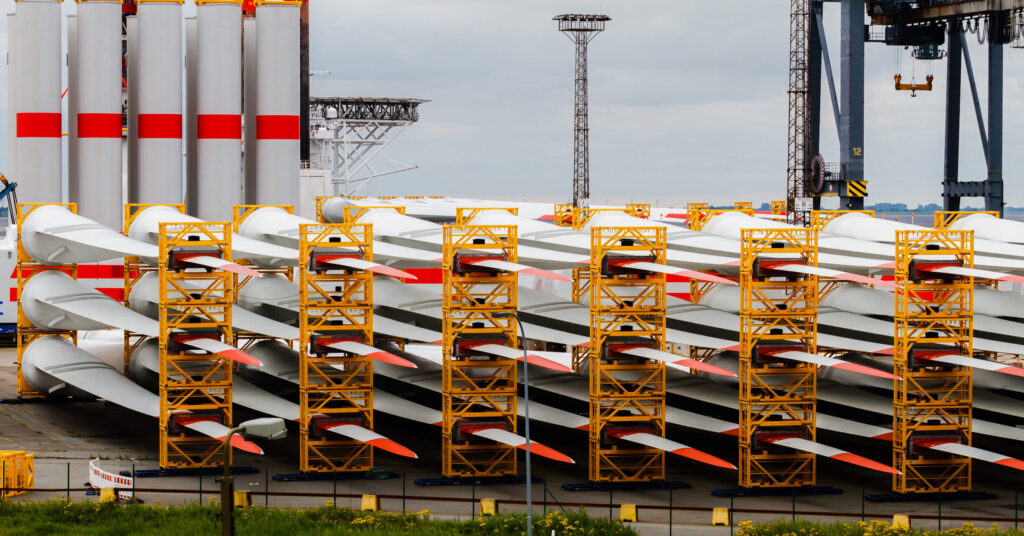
x,y
687,100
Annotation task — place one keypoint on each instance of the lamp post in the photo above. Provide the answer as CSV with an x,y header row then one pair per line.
x,y
526,430
266,428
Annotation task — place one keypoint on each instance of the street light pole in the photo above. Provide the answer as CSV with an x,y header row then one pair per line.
x,y
227,489
526,418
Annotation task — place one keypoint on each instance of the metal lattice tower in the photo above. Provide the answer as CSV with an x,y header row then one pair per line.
x,y
799,107
581,29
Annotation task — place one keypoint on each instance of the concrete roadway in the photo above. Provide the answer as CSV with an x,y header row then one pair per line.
x,y
66,436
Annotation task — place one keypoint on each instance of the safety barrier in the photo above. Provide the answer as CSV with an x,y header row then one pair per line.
x,y
100,479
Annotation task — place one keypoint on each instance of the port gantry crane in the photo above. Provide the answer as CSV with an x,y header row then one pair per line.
x,y
924,25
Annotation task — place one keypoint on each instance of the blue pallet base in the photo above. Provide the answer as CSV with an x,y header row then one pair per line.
x,y
481,481
931,497
627,486
776,492
360,475
206,471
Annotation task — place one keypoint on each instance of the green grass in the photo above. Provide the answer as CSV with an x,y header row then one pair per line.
x,y
96,519
874,528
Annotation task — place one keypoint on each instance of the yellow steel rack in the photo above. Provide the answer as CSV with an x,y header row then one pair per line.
x,y
335,387
743,205
698,214
27,267
943,219
932,401
194,303
134,270
778,312
566,215
778,208
626,393
820,218
479,390
465,216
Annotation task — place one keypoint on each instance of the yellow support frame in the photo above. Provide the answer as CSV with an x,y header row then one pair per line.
x,y
334,387
778,208
698,214
820,218
626,392
743,205
193,385
776,310
931,401
567,215
943,219
465,216
478,389
27,267
134,270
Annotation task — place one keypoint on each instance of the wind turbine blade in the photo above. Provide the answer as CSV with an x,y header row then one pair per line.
x,y
360,264
673,447
514,440
644,266
369,351
658,355
506,266
218,431
400,407
513,353
372,438
953,358
834,274
958,449
401,330
246,320
973,272
222,349
835,363
83,307
221,264
797,443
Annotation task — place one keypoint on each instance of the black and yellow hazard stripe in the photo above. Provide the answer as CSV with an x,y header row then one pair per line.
x,y
856,188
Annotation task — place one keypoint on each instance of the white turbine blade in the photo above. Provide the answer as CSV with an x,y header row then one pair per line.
x,y
222,349
104,239
400,407
220,264
372,438
644,266
973,272
243,247
360,264
218,431
92,306
62,360
247,320
369,351
797,443
835,363
658,355
958,449
245,394
834,274
984,364
512,353
672,447
506,266
518,441
401,330
846,426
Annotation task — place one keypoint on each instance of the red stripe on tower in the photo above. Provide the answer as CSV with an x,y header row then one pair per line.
x,y
277,127
38,125
99,126
165,126
219,127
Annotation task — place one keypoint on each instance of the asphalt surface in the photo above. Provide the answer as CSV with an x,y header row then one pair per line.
x,y
66,436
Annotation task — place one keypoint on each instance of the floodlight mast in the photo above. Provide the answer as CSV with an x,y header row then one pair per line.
x,y
581,29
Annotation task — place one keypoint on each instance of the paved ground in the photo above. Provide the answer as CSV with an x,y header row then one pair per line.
x,y
66,436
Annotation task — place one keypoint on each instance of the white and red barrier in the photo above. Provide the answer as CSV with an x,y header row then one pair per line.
x,y
99,479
